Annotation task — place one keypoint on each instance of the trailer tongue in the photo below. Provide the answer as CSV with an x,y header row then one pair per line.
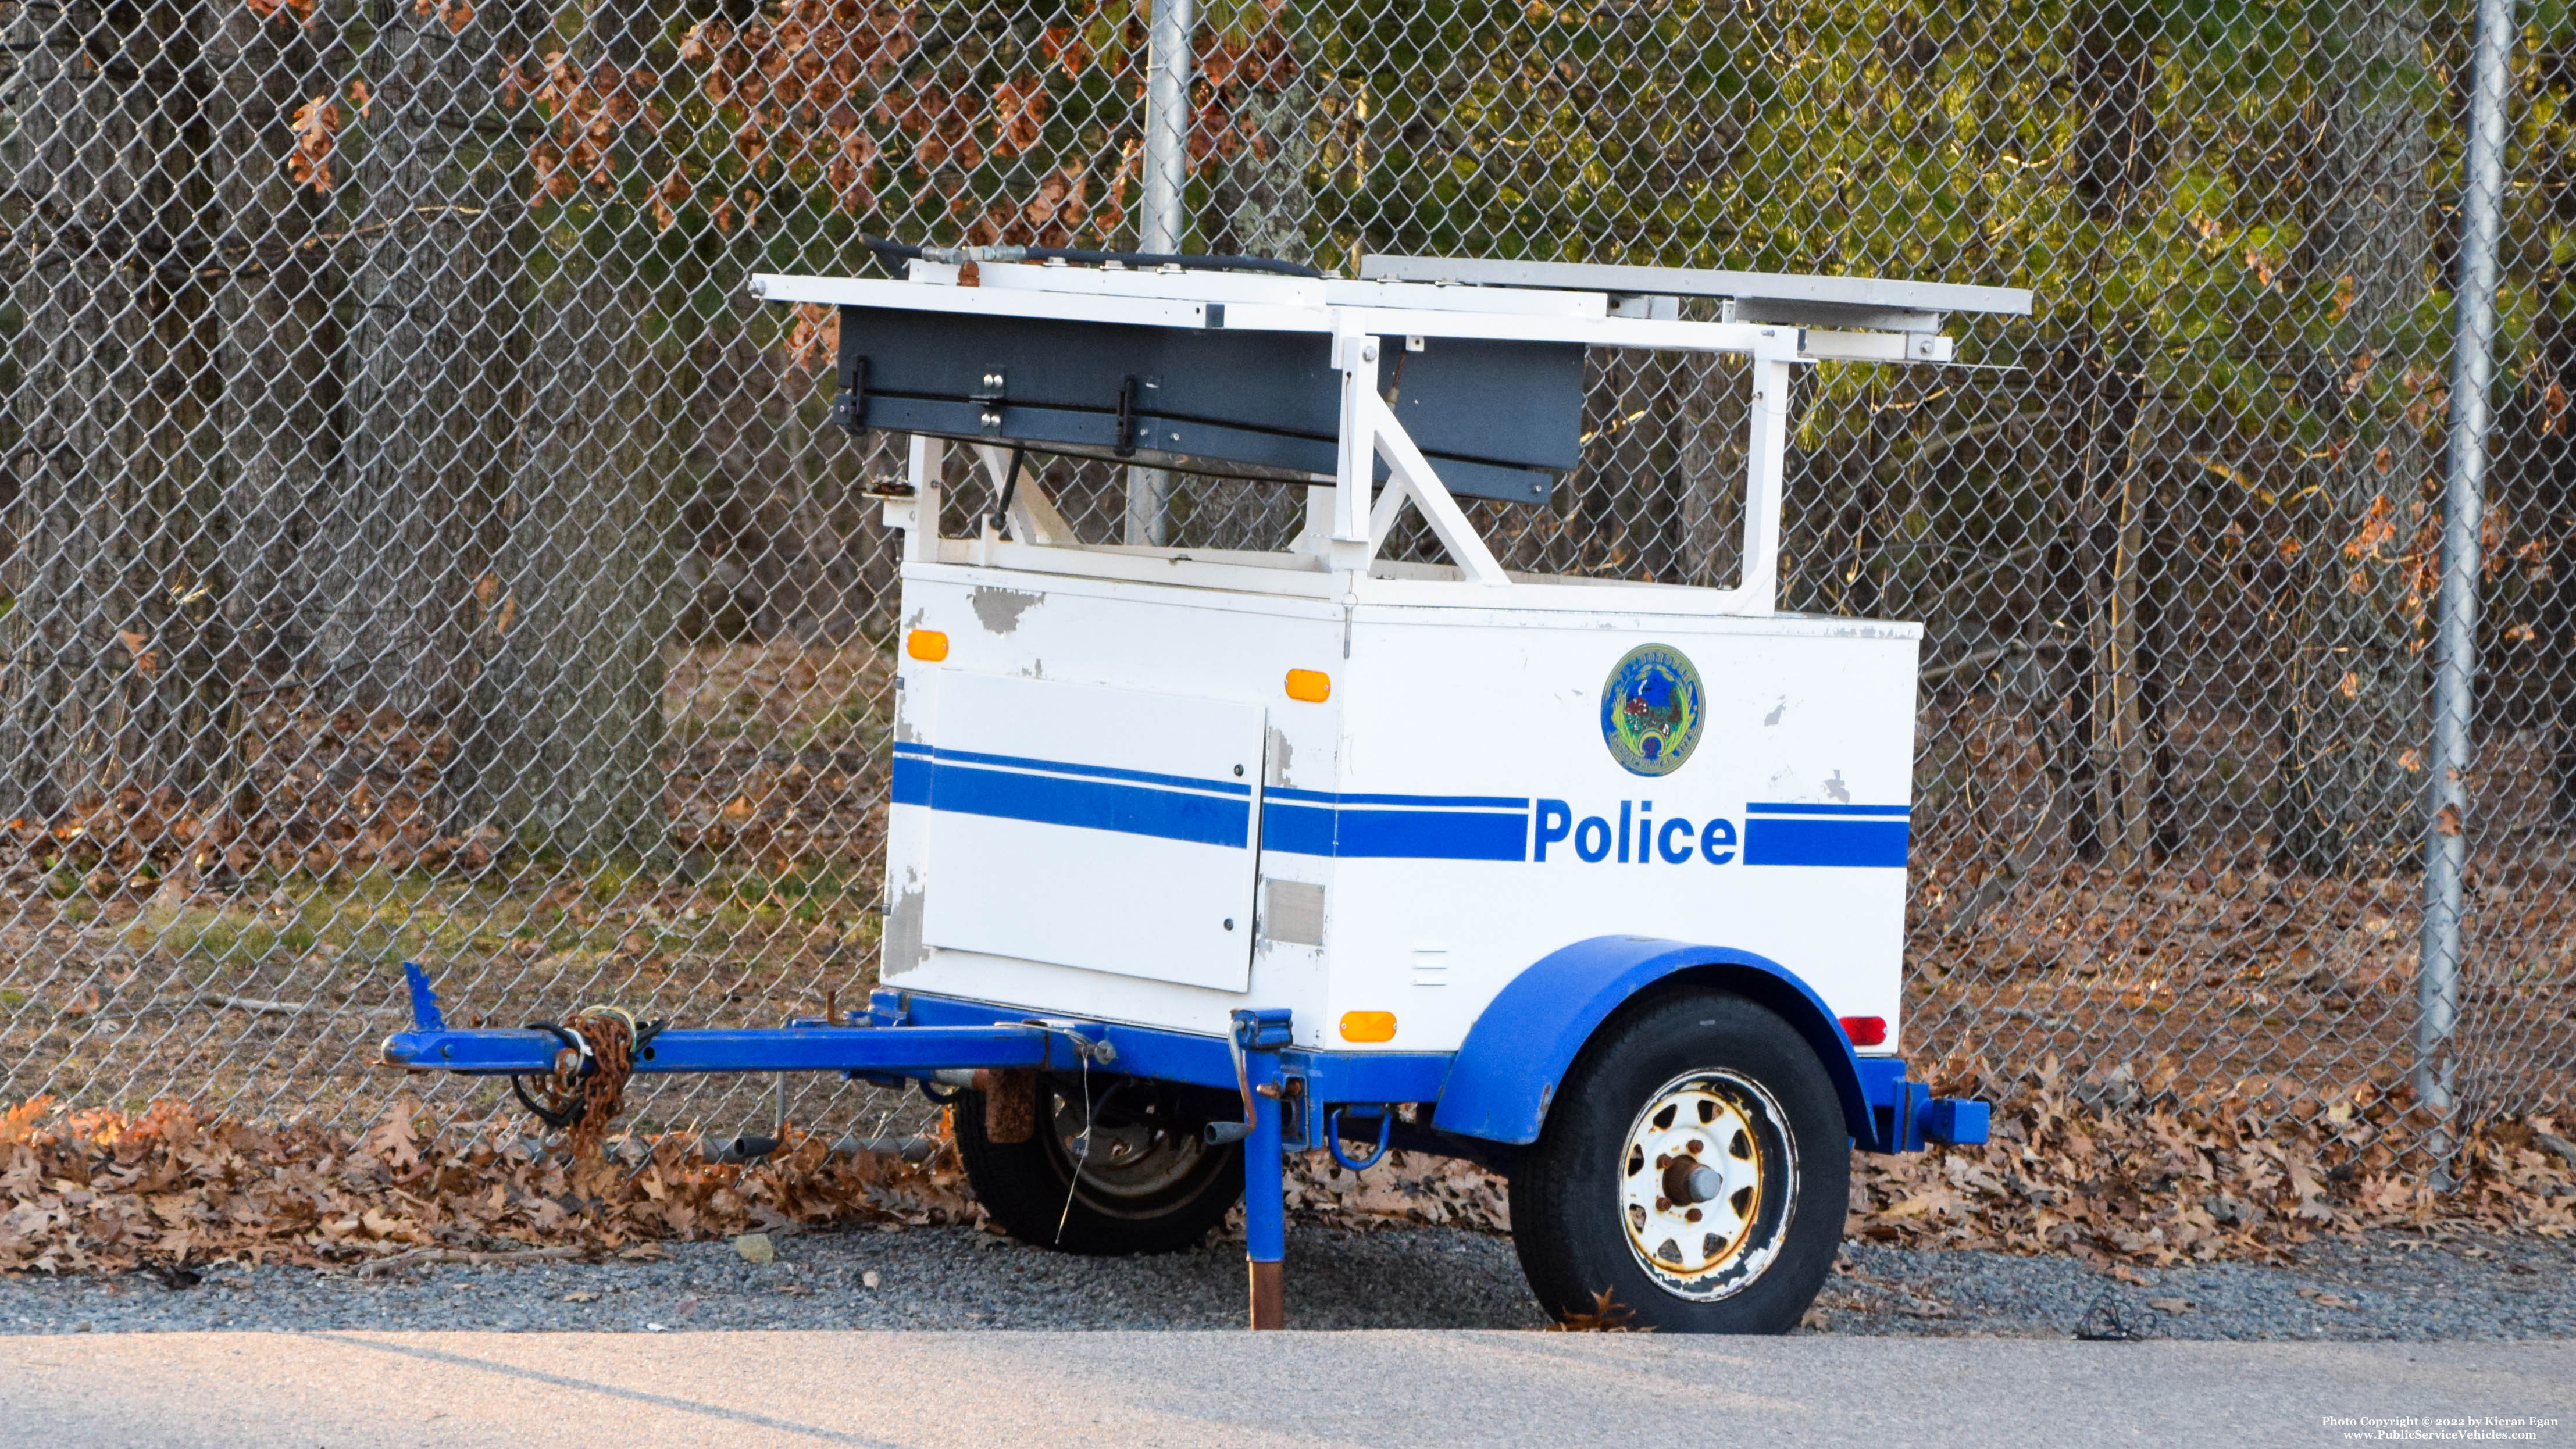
x,y
1196,857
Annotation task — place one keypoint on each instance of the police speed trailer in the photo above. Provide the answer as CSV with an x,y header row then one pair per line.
x,y
1198,857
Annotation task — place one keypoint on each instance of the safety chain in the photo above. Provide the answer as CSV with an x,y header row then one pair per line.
x,y
581,1096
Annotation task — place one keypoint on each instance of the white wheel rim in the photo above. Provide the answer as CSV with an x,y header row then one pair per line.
x,y
1698,1126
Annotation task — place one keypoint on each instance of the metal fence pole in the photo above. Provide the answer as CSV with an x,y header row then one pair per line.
x,y
2455,644
1162,226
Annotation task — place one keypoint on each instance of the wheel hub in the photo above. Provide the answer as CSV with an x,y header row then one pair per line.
x,y
1129,1145
1700,1172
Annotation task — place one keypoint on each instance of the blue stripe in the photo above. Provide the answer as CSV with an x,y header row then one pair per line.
x,y
1430,835
1436,802
1393,834
1825,842
903,748
1090,805
1298,829
1097,772
1777,808
911,780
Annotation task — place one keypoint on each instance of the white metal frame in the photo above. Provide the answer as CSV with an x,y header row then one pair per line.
x,y
1336,556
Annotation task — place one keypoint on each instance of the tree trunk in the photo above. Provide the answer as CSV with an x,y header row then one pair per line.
x,y
1712,471
275,425
2356,723
2117,152
569,752
2553,500
1262,202
2128,802
101,681
409,531
2091,427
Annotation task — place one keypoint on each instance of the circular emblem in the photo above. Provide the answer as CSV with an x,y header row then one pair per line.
x,y
1651,710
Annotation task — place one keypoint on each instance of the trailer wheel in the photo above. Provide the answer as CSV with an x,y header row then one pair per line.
x,y
1695,1165
1148,1181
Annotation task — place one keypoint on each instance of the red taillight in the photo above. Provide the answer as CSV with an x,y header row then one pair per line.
x,y
1865,1030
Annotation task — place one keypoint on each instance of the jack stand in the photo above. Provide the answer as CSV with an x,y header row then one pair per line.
x,y
1259,1035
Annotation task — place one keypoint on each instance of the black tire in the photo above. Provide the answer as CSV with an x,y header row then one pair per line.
x,y
1153,1185
1584,1198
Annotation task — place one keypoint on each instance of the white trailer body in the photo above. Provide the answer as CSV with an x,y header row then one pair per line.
x,y
1447,815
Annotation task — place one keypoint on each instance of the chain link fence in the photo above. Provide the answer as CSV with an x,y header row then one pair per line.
x,y
417,545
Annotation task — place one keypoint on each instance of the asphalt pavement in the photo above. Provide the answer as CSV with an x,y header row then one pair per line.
x,y
748,1390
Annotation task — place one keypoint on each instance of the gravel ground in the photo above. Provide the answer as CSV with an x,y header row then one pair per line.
x,y
2388,1286
2382,1286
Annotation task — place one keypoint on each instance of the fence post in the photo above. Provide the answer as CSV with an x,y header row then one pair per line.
x,y
2455,640
1162,225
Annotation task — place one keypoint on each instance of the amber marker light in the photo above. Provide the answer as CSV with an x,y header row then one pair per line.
x,y
1368,1026
1313,686
926,644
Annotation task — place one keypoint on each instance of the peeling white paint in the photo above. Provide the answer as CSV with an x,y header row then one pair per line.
x,y
1279,754
902,941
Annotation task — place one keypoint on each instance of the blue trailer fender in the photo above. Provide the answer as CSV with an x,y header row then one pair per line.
x,y
1508,1069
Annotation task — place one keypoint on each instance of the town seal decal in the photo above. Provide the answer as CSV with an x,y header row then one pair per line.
x,y
1651,709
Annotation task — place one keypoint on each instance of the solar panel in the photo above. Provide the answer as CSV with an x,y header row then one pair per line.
x,y
1873,304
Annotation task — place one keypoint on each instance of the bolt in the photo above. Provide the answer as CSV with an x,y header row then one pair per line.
x,y
1688,1181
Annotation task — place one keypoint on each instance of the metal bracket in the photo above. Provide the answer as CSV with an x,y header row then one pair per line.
x,y
425,1015
989,397
1370,431
1126,442
1410,478
850,408
1265,1030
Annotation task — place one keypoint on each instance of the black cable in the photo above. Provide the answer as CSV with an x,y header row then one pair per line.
x,y
558,1120
1010,485
906,251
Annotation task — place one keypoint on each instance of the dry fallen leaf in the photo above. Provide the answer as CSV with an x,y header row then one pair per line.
x,y
1607,1315
139,647
312,126
99,1190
